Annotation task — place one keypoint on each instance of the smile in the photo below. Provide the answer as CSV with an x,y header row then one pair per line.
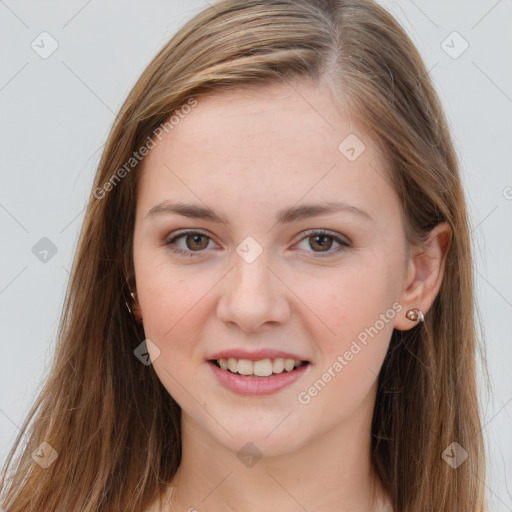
x,y
261,368
261,377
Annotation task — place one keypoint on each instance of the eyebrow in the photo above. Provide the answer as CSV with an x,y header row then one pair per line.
x,y
284,216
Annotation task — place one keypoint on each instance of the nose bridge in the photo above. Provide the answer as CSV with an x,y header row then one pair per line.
x,y
252,275
252,278
251,263
252,295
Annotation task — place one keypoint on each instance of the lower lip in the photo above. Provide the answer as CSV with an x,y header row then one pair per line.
x,y
252,386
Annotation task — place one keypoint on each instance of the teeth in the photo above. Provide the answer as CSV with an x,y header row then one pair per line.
x,y
261,368
232,365
278,365
245,367
289,365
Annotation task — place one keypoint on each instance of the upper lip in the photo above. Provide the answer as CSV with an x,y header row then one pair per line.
x,y
255,355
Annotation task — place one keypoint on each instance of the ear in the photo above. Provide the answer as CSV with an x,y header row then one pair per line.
x,y
424,274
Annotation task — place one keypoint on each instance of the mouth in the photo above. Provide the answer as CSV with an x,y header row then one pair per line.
x,y
261,369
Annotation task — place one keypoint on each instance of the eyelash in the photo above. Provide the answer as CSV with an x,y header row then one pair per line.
x,y
319,232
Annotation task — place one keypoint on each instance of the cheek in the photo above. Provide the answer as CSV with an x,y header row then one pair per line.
x,y
360,312
164,290
173,309
170,309
357,308
351,299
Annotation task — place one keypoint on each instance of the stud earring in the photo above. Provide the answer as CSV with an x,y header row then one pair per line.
x,y
415,314
128,305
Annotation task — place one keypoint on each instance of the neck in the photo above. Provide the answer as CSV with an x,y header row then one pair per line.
x,y
331,472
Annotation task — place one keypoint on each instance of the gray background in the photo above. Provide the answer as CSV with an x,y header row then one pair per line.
x,y
56,113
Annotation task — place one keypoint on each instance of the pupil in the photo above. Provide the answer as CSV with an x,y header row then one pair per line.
x,y
320,237
196,239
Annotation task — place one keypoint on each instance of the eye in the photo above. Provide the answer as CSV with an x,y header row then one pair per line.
x,y
194,243
323,240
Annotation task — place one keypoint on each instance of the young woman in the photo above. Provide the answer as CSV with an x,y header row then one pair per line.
x,y
271,304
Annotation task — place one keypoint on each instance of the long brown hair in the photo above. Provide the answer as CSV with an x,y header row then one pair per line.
x,y
115,428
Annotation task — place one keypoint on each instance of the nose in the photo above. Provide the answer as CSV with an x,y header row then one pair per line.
x,y
253,296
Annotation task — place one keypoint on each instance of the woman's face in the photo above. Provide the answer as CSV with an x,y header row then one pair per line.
x,y
263,282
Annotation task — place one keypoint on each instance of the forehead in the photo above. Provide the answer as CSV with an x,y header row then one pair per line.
x,y
272,120
276,142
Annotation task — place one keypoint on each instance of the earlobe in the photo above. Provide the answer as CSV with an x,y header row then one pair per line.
x,y
424,276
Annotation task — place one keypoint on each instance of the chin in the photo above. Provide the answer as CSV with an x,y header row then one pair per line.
x,y
245,441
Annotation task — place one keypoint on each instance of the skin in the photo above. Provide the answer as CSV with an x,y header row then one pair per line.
x,y
247,155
